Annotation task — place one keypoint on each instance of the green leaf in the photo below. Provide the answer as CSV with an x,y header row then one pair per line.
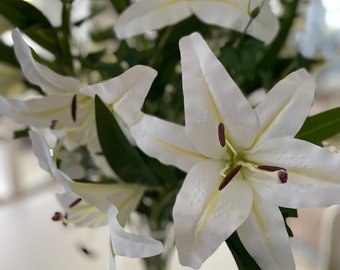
x,y
243,63
7,55
124,159
23,133
120,5
286,213
243,259
320,127
31,21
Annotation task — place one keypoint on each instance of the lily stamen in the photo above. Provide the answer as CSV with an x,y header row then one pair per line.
x,y
229,177
53,124
57,216
74,108
270,168
73,204
222,139
221,134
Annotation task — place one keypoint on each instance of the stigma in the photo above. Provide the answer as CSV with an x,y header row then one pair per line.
x,y
281,172
283,176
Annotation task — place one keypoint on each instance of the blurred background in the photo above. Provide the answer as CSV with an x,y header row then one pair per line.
x,y
30,240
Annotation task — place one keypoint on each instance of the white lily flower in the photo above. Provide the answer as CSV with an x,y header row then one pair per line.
x,y
145,15
68,105
242,163
107,199
79,212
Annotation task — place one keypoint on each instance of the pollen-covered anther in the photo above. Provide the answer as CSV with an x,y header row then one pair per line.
x,y
57,216
229,177
221,134
74,108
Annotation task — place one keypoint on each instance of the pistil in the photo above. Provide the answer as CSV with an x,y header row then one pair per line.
x,y
229,177
281,172
283,176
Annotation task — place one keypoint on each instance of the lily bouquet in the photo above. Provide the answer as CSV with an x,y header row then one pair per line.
x,y
158,117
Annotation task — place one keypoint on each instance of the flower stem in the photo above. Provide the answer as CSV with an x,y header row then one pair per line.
x,y
243,259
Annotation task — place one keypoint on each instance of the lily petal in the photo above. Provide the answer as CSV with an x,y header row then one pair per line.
x,y
286,106
125,197
38,74
213,216
126,92
42,152
129,244
40,111
135,81
264,236
82,214
146,15
55,112
212,97
313,174
165,141
112,261
234,14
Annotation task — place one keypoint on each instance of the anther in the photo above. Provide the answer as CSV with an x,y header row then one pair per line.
x,y
270,168
221,134
53,124
74,108
229,177
281,172
57,216
283,176
73,204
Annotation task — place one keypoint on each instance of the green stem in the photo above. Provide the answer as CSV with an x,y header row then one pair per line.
x,y
253,14
159,47
66,58
280,40
155,263
243,259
